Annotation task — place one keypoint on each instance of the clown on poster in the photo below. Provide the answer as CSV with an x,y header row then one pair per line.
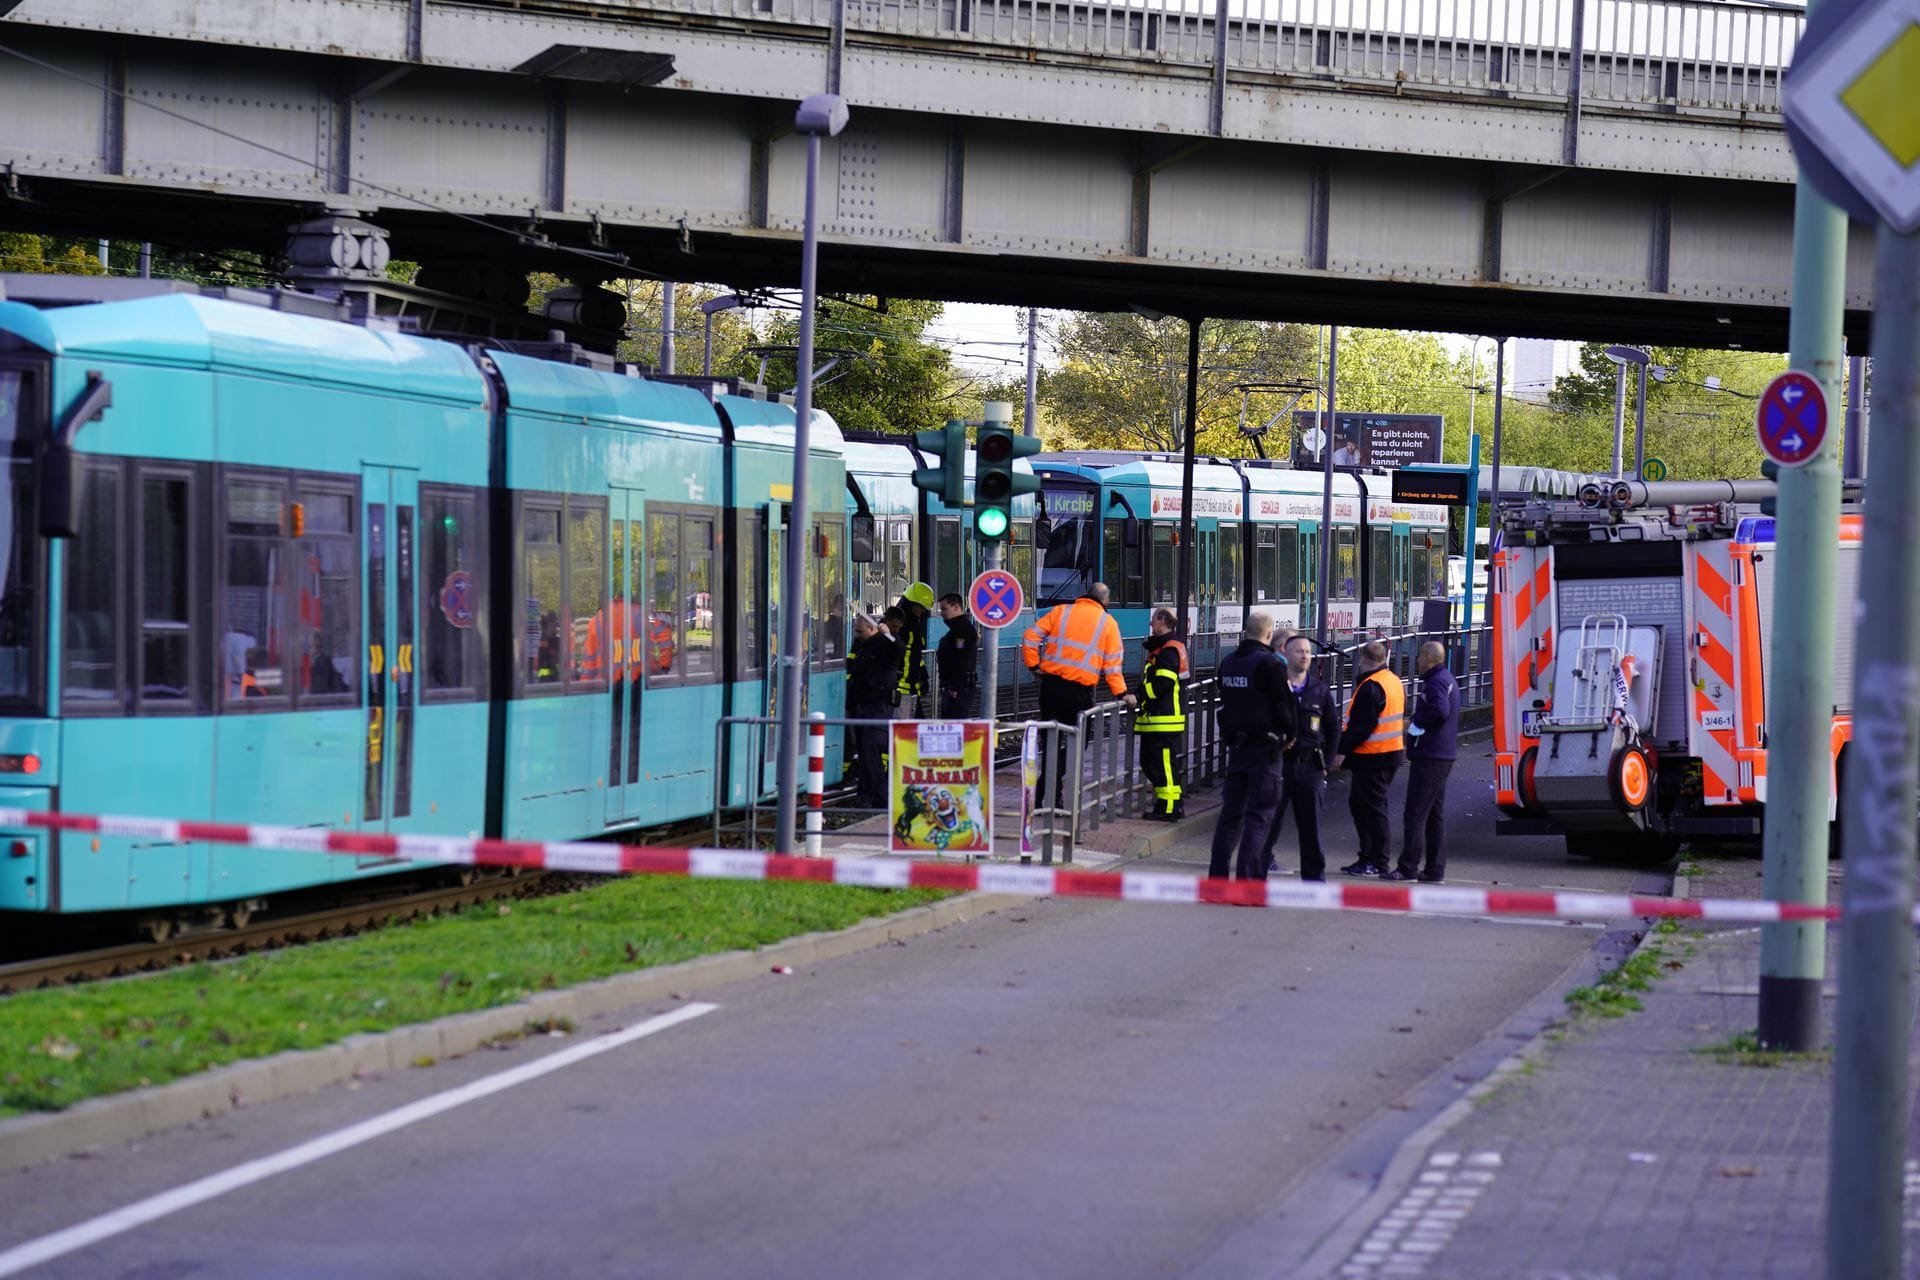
x,y
941,787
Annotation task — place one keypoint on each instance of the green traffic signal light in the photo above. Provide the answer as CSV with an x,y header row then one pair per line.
x,y
995,483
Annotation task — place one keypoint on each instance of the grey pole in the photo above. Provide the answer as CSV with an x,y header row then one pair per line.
x,y
666,327
1640,426
1619,415
1875,1013
706,359
824,114
1854,465
1499,382
1799,692
1032,424
1183,554
1326,485
146,260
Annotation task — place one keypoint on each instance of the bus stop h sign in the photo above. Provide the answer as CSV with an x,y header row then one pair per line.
x,y
1849,108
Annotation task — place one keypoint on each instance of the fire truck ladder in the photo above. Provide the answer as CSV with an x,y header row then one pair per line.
x,y
1602,641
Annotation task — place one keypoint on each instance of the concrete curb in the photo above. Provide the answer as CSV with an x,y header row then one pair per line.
x,y
123,1117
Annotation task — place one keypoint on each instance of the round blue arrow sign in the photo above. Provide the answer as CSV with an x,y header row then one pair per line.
x,y
995,598
1792,419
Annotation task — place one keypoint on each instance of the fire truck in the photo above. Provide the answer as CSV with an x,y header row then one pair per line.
x,y
1630,665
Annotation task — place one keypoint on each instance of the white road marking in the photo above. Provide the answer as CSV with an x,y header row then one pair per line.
x,y
1419,1227
91,1232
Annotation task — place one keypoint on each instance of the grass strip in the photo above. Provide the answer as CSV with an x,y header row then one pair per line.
x,y
61,1046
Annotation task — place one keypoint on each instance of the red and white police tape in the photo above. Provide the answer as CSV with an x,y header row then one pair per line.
x,y
889,873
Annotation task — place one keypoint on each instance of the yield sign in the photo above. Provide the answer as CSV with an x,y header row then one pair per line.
x,y
1792,419
1849,107
995,598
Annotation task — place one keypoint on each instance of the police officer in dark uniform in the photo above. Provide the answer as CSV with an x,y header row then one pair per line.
x,y
1257,715
1303,772
958,661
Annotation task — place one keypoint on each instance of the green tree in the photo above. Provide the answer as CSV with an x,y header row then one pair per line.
x,y
1119,381
1699,413
30,254
890,378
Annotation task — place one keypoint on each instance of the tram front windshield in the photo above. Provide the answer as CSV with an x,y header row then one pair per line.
x,y
18,406
1072,557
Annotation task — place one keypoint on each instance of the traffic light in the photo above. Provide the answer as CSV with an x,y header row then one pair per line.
x,y
949,479
995,483
1770,470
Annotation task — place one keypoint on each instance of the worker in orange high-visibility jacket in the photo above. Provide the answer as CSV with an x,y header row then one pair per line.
x,y
1373,747
1072,648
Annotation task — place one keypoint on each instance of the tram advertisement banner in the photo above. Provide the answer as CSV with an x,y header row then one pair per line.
x,y
1029,785
941,792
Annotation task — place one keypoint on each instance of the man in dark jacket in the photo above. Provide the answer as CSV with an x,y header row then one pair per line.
x,y
1303,772
958,661
1257,722
1372,748
873,672
1432,743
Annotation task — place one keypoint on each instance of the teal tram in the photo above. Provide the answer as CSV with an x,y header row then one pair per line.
x,y
326,574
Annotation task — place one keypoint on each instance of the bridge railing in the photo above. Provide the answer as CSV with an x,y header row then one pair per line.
x,y
1714,55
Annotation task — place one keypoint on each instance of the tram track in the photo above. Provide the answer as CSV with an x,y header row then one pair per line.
x,y
331,922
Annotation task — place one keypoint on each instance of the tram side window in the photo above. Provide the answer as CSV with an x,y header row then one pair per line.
x,y
752,535
1229,565
1287,560
1380,583
664,647
165,594
1436,564
91,637
253,653
325,664
946,556
899,562
1346,564
1266,564
829,591
1163,583
1020,558
1126,572
586,585
452,590
697,537
545,655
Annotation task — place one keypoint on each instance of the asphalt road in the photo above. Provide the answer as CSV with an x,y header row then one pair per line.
x,y
1068,1088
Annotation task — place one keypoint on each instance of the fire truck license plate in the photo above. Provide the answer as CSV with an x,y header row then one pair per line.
x,y
1716,719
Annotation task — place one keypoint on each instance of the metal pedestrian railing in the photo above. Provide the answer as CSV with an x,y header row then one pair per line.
x,y
1469,655
1666,54
751,818
1102,755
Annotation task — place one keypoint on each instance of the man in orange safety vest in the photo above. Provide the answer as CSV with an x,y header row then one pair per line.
x,y
1373,747
1072,648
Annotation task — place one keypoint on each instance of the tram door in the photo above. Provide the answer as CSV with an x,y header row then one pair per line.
x,y
1309,570
1206,569
1402,574
626,638
390,496
772,590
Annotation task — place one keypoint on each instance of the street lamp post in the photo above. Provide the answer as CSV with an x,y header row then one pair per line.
x,y
823,115
1622,357
725,302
